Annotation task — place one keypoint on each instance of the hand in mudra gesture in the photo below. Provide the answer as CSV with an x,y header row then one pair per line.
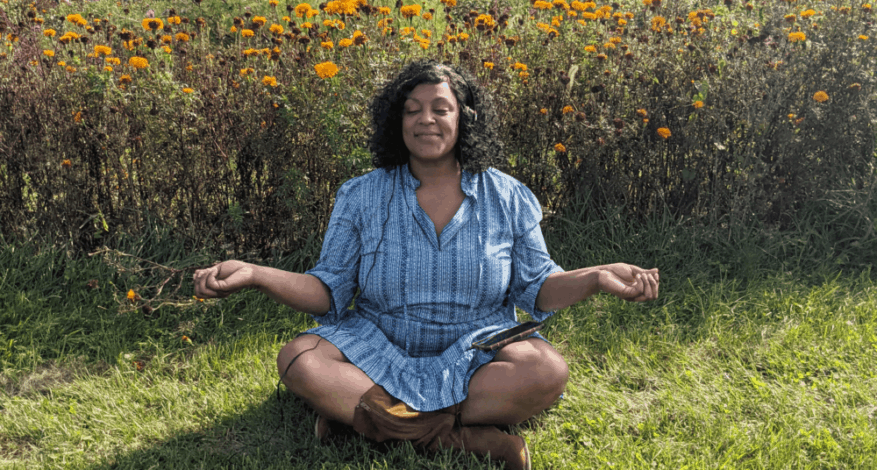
x,y
223,279
629,282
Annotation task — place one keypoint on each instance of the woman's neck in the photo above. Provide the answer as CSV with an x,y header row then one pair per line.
x,y
436,174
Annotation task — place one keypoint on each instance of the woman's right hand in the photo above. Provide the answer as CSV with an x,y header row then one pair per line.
x,y
223,279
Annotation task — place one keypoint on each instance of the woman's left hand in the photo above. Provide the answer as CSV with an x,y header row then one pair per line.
x,y
629,282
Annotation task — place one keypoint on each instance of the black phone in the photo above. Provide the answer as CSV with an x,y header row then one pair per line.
x,y
510,335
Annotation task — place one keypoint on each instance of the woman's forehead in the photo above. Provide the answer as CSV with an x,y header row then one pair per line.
x,y
426,92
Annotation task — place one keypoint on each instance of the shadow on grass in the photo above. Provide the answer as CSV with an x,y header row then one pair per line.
x,y
263,437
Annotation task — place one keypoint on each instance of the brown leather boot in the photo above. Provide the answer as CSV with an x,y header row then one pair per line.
x,y
380,417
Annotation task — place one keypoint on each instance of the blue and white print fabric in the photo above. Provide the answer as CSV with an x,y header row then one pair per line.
x,y
428,298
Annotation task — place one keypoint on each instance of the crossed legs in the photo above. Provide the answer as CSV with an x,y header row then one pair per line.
x,y
524,379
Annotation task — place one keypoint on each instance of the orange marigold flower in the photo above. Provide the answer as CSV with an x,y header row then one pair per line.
x,y
524,75
489,65
107,68
113,61
863,37
49,33
269,81
807,13
246,71
820,96
568,109
105,50
187,90
542,5
558,147
276,29
132,295
664,133
182,37
303,9
590,49
49,53
543,111
77,117
450,3
66,163
341,7
326,70
260,20
520,66
152,24
797,36
698,104
174,20
642,112
328,45
247,33
77,19
125,79
346,42
61,63
485,20
410,11
138,62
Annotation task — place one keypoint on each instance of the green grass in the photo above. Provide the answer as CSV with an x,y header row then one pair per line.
x,y
759,353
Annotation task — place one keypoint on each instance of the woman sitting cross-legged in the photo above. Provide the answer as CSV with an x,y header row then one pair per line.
x,y
442,247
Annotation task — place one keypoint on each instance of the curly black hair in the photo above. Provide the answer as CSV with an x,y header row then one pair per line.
x,y
478,145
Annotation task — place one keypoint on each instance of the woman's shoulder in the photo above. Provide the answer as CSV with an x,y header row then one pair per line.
x,y
366,183
504,186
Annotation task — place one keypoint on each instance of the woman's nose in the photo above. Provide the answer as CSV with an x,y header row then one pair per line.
x,y
427,116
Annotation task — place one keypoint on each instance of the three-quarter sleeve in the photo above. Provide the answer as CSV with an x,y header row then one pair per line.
x,y
531,263
339,258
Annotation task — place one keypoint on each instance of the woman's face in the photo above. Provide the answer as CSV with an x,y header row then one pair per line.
x,y
429,122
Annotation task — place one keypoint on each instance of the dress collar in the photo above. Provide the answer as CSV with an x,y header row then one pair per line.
x,y
467,182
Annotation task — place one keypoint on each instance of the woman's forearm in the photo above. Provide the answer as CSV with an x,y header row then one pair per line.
x,y
302,292
561,290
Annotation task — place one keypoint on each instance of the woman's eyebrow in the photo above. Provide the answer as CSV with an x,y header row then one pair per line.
x,y
440,99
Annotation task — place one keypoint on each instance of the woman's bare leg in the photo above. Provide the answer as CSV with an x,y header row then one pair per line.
x,y
323,377
524,379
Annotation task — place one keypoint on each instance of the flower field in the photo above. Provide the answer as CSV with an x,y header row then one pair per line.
x,y
729,143
235,122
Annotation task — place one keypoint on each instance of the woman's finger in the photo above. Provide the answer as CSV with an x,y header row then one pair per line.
x,y
655,284
645,286
202,290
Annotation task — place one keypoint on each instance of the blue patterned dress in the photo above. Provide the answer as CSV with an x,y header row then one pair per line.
x,y
428,298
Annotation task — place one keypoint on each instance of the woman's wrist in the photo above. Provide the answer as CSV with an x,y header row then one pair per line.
x,y
257,278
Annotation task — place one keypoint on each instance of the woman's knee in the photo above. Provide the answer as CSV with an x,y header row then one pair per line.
x,y
299,360
553,371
